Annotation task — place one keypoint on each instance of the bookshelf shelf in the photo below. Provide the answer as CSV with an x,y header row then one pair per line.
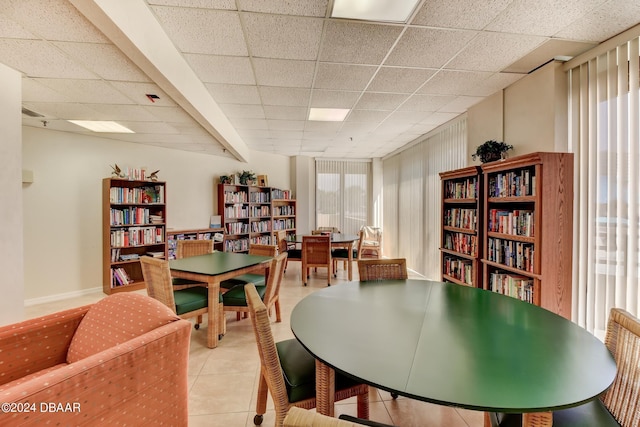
x,y
528,226
460,244
134,225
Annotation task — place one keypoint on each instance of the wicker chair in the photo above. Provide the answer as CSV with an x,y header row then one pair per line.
x,y
284,246
276,362
188,248
256,279
316,252
235,299
370,245
382,269
298,417
619,405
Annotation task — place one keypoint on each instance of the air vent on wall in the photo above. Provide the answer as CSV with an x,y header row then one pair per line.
x,y
30,113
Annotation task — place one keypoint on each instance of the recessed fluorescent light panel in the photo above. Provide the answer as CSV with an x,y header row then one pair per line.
x,y
374,10
328,114
101,126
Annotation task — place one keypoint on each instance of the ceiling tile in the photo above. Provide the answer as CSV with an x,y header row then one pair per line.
x,y
150,127
428,47
64,110
43,60
439,118
380,101
316,8
105,60
283,73
254,133
402,80
233,94
425,102
12,30
204,4
367,116
249,123
172,115
546,52
453,82
285,124
357,128
222,69
322,127
459,13
123,112
525,17
412,117
494,83
343,76
33,90
214,32
333,99
87,91
285,113
243,111
291,136
611,18
494,51
357,43
294,97
283,37
461,104
137,92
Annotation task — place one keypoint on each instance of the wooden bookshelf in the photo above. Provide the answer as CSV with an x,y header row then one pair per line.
x,y
250,214
528,229
461,231
133,225
192,234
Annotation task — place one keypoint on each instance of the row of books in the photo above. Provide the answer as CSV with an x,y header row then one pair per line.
x,y
517,222
512,184
238,245
467,189
133,216
235,197
280,194
284,210
137,195
137,236
460,242
120,277
512,254
460,269
116,256
261,240
461,218
519,287
236,211
260,197
236,228
259,211
284,224
261,226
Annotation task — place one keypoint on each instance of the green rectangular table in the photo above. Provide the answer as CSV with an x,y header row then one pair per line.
x,y
451,345
212,269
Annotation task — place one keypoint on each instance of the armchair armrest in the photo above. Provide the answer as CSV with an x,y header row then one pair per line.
x,y
37,344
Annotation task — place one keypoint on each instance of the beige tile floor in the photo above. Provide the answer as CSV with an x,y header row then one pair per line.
x,y
223,381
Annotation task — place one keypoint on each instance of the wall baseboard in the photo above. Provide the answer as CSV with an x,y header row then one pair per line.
x,y
59,297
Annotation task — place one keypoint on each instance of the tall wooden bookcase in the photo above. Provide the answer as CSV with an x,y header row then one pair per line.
x,y
528,229
133,224
461,232
250,214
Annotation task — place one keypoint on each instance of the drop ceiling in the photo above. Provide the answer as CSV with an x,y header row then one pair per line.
x,y
237,76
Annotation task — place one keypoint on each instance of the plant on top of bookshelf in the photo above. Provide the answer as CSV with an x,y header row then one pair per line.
x,y
225,179
491,151
247,176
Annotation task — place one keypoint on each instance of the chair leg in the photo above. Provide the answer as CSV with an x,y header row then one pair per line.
x,y
261,404
277,304
362,401
237,316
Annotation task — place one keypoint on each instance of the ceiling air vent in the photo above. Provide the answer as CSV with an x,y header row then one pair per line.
x,y
30,113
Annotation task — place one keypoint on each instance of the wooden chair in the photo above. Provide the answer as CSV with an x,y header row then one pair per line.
x,y
295,254
316,252
382,269
370,245
186,303
298,417
342,254
235,299
188,248
619,405
276,362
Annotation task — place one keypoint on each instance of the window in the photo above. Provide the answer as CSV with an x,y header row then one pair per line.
x,y
342,194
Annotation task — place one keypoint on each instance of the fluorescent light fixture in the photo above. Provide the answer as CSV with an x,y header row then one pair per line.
x,y
374,10
101,126
328,114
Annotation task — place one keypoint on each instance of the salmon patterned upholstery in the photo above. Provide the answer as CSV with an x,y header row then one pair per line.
x,y
115,320
139,378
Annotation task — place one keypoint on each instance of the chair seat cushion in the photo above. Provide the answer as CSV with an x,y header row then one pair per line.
x,y
343,253
243,279
236,297
299,370
190,299
294,254
591,414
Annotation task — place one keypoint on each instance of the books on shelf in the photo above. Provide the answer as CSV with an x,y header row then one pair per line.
x,y
156,254
516,222
120,277
515,286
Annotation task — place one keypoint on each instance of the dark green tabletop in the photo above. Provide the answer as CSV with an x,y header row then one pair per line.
x,y
453,345
216,263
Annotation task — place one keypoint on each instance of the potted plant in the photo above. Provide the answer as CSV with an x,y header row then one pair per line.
x,y
225,179
247,176
491,151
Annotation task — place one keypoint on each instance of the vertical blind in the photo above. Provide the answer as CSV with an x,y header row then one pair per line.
x,y
411,197
342,194
604,121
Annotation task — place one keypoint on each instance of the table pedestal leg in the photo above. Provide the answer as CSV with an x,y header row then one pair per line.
x,y
325,389
537,419
213,296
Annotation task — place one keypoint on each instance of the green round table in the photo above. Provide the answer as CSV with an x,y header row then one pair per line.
x,y
451,345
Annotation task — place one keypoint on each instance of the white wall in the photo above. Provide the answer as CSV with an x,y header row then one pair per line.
x,y
11,240
62,208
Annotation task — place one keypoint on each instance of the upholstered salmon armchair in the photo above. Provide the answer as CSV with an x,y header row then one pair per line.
x,y
120,361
